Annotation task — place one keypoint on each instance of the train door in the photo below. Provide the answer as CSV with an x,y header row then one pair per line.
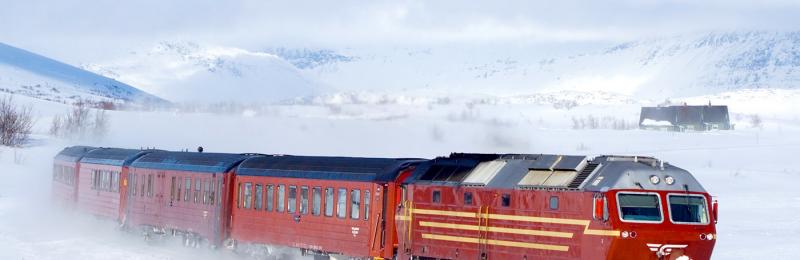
x,y
163,204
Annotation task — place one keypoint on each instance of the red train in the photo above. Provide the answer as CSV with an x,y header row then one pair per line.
x,y
464,206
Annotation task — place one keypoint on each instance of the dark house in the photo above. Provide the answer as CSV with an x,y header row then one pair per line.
x,y
685,118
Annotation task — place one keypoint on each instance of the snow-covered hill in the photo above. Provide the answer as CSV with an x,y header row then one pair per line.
x,y
678,66
190,72
26,73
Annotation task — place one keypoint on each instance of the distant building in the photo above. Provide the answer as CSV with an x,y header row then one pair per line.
x,y
685,118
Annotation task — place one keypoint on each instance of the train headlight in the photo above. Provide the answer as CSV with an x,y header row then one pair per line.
x,y
710,236
654,179
669,180
625,234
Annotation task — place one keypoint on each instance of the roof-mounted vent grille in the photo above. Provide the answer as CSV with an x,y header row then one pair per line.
x,y
588,170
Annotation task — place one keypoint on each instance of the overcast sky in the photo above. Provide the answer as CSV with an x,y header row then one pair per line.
x,y
95,27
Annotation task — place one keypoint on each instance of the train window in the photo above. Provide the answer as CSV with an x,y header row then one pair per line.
x,y
316,200
281,196
115,181
240,196
150,185
212,191
270,197
292,201
688,209
366,204
553,202
132,190
639,207
142,178
341,203
172,189
259,197
188,187
355,203
329,201
467,198
506,200
248,194
206,191
178,188
304,200
196,197
94,176
437,196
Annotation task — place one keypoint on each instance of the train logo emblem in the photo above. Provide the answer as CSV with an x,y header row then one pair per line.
x,y
664,250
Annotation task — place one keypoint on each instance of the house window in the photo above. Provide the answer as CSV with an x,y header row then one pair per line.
x,y
304,200
506,200
437,196
553,202
270,197
292,199
281,197
329,201
259,197
341,203
366,204
355,203
316,200
467,198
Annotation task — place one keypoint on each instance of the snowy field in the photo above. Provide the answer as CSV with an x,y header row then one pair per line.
x,y
751,170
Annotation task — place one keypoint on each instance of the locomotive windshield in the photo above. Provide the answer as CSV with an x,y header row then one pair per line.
x,y
639,207
688,209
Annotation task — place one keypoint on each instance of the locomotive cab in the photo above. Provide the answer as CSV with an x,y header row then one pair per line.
x,y
661,211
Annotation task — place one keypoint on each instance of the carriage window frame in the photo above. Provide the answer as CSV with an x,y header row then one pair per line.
x,y
258,197
366,204
316,201
187,181
291,200
248,195
304,200
660,207
705,205
341,203
329,202
281,205
197,185
468,198
355,204
436,196
270,190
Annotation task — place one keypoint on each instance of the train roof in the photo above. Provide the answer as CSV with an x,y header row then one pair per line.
x,y
113,156
552,172
325,168
73,153
190,161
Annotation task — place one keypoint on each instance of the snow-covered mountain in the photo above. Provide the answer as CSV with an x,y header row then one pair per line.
x,y
655,69
192,72
26,73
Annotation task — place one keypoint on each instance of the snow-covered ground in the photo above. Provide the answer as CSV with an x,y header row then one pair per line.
x,y
750,170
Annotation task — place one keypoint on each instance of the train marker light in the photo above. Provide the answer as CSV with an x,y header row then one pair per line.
x,y
669,180
654,179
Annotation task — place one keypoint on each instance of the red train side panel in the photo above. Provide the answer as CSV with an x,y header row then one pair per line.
x,y
325,205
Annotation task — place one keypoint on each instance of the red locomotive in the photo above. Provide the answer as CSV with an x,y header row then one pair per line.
x,y
465,206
